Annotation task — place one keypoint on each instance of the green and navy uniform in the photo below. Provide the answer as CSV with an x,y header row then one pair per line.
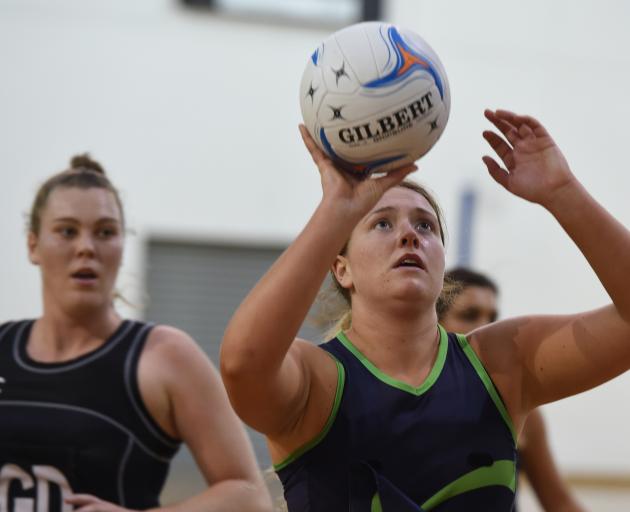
x,y
78,426
445,446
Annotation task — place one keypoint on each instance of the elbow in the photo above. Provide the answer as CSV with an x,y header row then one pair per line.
x,y
258,498
233,360
237,359
263,504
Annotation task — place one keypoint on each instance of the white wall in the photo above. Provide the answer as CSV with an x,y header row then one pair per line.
x,y
195,118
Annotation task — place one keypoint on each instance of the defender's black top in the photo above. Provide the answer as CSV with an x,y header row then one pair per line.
x,y
79,426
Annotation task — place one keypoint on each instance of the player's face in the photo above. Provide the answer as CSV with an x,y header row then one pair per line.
x,y
396,251
473,307
79,248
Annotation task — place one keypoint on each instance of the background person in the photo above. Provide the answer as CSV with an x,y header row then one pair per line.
x,y
94,406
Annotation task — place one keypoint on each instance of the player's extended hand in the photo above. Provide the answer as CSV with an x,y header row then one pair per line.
x,y
354,195
89,503
533,168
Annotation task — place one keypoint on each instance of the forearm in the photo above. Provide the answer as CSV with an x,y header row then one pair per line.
x,y
555,496
540,467
225,496
603,240
558,499
264,326
569,505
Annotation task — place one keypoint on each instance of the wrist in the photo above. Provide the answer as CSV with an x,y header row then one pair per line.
x,y
567,196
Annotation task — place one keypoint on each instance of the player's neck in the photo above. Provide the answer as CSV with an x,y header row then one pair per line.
x,y
403,348
57,336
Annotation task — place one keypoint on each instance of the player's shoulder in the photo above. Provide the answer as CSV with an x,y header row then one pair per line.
x,y
312,355
167,334
172,344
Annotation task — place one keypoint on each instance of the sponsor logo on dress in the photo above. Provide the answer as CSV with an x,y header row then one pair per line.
x,y
43,477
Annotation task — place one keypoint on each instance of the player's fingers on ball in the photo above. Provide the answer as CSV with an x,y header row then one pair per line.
x,y
305,135
322,159
324,164
402,172
308,141
395,176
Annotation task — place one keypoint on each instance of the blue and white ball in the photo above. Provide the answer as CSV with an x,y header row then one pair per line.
x,y
374,97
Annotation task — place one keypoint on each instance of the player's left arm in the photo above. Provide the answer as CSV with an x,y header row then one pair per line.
x,y
195,406
558,356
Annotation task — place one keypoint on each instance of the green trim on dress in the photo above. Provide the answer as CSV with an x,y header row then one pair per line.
x,y
341,379
390,381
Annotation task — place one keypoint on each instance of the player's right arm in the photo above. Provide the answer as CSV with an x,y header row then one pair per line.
x,y
277,385
269,376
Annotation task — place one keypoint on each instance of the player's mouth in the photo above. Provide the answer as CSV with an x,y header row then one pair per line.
x,y
85,276
410,260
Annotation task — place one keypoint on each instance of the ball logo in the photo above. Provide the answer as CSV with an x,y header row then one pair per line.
x,y
387,125
43,478
374,97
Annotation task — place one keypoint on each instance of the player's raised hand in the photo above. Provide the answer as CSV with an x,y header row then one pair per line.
x,y
354,194
533,167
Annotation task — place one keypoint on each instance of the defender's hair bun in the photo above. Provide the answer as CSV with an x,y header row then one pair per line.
x,y
84,162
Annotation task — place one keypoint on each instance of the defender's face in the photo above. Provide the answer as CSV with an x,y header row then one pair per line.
x,y
395,251
473,307
79,247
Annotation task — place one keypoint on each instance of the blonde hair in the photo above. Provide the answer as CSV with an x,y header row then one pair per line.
x,y
333,306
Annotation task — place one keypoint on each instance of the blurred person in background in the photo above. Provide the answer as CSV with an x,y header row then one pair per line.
x,y
93,406
394,414
473,304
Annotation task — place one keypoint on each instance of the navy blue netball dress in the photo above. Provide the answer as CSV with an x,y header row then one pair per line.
x,y
445,446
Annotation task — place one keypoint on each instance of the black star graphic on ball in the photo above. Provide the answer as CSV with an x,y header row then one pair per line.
x,y
311,91
336,112
340,72
433,125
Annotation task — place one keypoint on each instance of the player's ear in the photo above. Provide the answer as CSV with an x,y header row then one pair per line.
x,y
341,270
33,253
